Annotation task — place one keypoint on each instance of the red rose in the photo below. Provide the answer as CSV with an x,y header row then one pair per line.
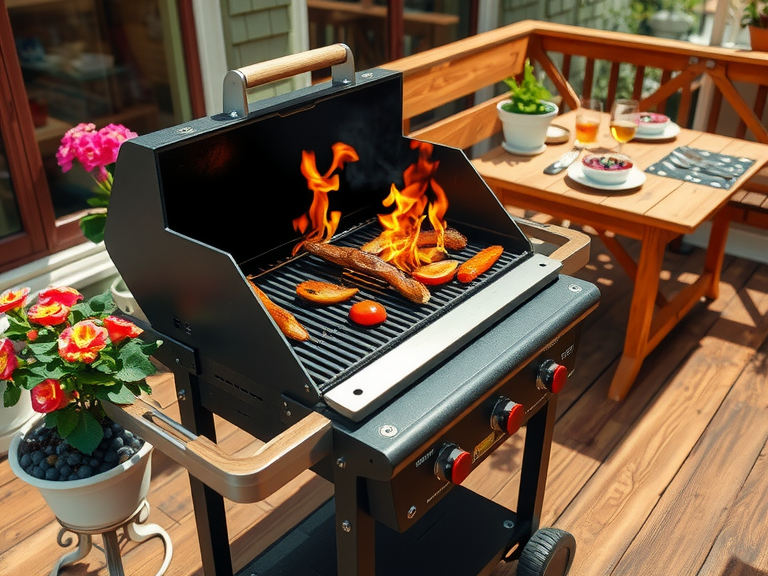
x,y
48,396
11,299
50,314
64,295
8,360
120,329
82,342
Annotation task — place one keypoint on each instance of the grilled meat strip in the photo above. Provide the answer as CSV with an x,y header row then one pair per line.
x,y
374,266
453,240
286,321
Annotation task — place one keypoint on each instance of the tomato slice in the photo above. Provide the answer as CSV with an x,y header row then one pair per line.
x,y
367,313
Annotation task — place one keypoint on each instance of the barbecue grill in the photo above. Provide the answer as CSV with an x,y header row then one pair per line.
x,y
395,415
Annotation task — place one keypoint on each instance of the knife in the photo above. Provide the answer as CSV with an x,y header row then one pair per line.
x,y
563,162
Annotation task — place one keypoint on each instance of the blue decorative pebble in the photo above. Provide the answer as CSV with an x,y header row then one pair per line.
x,y
84,471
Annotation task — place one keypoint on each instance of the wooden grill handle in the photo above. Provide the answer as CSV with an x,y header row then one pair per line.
x,y
241,479
238,81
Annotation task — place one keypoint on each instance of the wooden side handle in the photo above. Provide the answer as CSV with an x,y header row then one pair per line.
x,y
237,82
241,479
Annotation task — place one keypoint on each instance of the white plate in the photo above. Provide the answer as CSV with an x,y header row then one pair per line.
x,y
635,179
535,152
557,134
670,131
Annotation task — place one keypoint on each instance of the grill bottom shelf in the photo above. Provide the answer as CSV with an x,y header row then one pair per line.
x,y
464,535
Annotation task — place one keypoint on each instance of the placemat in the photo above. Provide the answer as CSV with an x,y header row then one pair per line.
x,y
733,165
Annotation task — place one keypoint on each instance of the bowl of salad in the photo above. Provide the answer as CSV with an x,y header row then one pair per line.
x,y
609,168
652,123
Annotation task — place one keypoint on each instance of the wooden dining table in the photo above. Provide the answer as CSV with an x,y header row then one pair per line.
x,y
656,213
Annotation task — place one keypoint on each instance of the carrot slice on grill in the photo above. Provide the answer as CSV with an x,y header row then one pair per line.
x,y
479,263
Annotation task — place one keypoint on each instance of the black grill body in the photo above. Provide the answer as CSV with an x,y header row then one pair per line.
x,y
184,237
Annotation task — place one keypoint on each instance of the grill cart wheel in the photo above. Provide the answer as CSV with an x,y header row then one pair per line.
x,y
549,552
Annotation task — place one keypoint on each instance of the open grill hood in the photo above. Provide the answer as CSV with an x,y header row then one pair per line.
x,y
198,208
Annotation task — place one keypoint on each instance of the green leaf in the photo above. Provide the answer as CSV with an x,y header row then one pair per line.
x,y
136,363
95,379
92,226
11,394
16,326
66,420
86,434
26,378
47,348
99,305
118,394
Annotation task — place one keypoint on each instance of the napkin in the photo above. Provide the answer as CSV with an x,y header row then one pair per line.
x,y
735,165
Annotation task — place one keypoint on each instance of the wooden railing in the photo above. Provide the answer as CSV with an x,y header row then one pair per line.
x,y
729,86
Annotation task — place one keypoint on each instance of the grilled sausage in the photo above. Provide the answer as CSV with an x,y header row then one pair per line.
x,y
374,266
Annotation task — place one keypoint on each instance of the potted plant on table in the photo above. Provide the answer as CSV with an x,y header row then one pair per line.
x,y
71,356
526,114
755,18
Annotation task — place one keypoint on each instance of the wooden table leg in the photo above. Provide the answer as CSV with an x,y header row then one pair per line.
x,y
640,313
718,236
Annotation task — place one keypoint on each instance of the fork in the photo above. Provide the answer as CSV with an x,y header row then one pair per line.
x,y
705,166
563,162
681,161
697,158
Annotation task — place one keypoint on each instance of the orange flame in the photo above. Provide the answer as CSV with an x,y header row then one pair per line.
x,y
316,220
403,224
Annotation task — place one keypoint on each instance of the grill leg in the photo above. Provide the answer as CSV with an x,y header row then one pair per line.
x,y
533,474
210,514
355,529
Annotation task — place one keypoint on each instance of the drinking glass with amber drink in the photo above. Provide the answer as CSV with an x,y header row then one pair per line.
x,y
625,116
588,116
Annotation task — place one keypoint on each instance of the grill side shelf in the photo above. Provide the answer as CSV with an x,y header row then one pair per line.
x,y
249,479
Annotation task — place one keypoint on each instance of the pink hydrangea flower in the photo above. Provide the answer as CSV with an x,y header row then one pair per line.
x,y
94,149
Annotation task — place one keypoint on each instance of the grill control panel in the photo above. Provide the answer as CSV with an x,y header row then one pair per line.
x,y
466,442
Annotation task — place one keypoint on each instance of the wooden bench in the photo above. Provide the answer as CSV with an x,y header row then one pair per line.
x,y
578,61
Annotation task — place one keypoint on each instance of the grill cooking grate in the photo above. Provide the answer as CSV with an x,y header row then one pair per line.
x,y
338,346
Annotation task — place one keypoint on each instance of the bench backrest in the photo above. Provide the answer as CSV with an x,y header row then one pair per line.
x,y
575,60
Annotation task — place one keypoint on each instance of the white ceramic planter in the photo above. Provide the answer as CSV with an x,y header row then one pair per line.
x,y
97,502
12,419
674,25
525,133
125,300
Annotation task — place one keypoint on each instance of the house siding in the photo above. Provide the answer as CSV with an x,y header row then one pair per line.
x,y
257,31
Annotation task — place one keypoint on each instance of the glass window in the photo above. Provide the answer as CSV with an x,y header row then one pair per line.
x,y
10,222
93,61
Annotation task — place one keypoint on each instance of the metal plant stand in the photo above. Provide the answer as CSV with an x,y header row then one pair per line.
x,y
133,527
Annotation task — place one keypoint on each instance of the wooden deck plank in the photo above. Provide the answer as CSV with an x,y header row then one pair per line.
x,y
695,506
615,503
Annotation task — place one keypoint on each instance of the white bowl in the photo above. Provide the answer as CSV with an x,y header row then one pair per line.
x,y
652,123
607,168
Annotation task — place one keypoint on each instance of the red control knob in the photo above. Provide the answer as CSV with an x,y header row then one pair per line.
x,y
507,416
553,375
453,464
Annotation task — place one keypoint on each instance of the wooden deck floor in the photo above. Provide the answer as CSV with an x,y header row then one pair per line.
x,y
672,481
